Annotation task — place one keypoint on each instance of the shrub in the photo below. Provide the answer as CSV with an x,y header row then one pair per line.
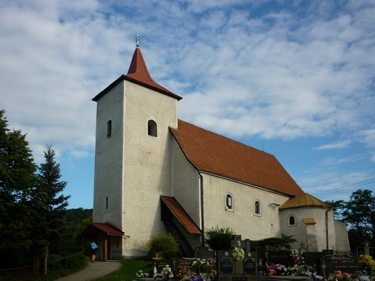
x,y
162,243
219,238
55,262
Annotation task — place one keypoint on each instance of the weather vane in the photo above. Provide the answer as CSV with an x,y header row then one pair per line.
x,y
137,39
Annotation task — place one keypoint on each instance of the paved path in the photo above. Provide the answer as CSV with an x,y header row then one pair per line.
x,y
93,271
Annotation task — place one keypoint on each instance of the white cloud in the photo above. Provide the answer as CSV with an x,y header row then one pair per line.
x,y
335,145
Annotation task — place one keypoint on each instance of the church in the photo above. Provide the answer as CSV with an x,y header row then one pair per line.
x,y
156,173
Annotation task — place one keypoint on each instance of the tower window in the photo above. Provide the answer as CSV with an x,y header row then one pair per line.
x,y
109,128
257,208
291,220
229,202
106,202
152,128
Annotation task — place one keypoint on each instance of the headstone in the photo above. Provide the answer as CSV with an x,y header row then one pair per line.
x,y
279,257
160,264
360,251
249,265
179,264
226,265
311,258
205,254
327,253
372,252
325,267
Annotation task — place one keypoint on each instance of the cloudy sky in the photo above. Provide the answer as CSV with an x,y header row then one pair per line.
x,y
293,78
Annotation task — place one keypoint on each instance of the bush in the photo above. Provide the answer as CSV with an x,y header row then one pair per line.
x,y
55,262
162,244
76,261
219,238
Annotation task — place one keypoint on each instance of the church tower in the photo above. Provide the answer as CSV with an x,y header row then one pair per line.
x,y
133,157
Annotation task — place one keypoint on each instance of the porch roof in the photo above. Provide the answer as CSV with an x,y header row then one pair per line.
x,y
96,227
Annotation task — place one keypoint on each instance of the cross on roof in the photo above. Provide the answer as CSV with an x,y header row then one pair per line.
x,y
137,39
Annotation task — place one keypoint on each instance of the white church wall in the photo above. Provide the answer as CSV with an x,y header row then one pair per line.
x,y
300,232
186,184
147,164
242,219
342,239
108,158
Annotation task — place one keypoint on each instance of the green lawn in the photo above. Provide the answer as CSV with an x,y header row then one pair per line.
x,y
127,271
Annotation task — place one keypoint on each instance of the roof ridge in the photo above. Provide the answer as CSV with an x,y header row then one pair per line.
x,y
241,143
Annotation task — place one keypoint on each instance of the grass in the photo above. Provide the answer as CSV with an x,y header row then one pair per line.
x,y
127,271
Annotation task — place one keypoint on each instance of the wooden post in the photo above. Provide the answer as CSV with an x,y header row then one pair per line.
x,y
36,265
83,245
105,253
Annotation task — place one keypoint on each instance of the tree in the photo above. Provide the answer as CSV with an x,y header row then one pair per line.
x,y
163,243
50,204
359,212
17,181
219,238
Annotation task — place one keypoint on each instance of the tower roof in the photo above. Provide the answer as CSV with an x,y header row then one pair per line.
x,y
213,153
138,74
303,200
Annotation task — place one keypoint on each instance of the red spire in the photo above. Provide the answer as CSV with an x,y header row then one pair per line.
x,y
138,73
138,67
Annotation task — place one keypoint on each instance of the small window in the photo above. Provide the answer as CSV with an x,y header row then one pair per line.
x,y
229,202
152,128
257,208
109,128
106,202
291,220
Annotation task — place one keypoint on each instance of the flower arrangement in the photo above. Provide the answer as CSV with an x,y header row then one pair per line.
x,y
186,274
339,276
295,257
212,260
277,269
238,254
199,263
368,261
166,273
363,276
141,274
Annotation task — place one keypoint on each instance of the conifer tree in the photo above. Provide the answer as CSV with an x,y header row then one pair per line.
x,y
17,181
51,204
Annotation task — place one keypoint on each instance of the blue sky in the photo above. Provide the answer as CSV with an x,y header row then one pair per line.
x,y
293,78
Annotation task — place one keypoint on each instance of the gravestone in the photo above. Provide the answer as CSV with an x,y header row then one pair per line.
x,y
177,264
279,257
327,266
205,254
249,265
312,258
230,269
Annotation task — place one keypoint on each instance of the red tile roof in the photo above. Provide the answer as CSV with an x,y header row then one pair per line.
x,y
219,155
303,200
95,227
138,73
181,215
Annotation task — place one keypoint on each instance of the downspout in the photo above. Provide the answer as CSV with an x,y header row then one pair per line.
x,y
202,209
328,209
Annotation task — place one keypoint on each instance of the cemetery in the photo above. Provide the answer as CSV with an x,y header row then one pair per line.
x,y
242,262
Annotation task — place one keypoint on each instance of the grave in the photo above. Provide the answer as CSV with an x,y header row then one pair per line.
x,y
233,270
312,258
327,266
279,257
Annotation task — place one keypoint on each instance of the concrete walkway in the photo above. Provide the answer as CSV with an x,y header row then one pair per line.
x,y
93,271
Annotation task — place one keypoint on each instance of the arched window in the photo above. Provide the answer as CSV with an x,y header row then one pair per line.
x,y
109,128
152,128
291,220
257,208
229,202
